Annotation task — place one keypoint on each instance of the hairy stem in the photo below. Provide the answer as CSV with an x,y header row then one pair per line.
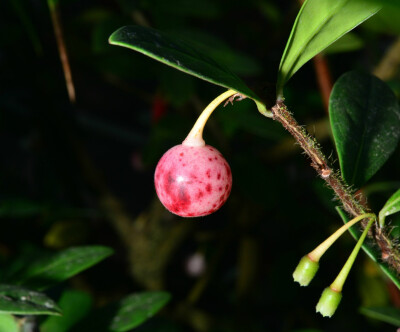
x,y
351,202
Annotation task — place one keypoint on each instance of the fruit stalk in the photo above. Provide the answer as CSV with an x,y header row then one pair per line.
x,y
337,285
195,136
317,253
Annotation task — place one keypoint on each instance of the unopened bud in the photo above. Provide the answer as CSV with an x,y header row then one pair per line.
x,y
328,302
305,271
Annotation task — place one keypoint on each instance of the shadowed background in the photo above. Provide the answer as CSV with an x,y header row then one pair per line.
x,y
78,160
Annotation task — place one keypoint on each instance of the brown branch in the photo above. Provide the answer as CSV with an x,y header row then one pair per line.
x,y
55,18
324,79
352,203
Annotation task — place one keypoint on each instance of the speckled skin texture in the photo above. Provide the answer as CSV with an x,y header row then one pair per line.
x,y
193,181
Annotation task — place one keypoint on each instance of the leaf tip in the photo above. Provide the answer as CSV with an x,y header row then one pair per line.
x,y
111,40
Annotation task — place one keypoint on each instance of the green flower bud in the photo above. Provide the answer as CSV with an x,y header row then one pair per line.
x,y
328,302
305,271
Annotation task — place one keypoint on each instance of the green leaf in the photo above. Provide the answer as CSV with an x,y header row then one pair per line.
x,y
8,323
318,24
74,305
365,121
60,266
179,55
137,308
370,250
385,314
391,206
21,301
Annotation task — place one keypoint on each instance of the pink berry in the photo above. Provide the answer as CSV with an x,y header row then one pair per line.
x,y
193,181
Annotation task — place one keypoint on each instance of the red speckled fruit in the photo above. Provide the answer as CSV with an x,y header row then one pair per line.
x,y
193,181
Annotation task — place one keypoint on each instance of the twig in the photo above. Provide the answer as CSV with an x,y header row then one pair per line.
x,y
55,18
324,78
351,202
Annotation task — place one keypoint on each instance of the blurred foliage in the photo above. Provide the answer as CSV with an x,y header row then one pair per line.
x,y
82,174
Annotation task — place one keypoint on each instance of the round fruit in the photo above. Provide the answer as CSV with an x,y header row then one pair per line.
x,y
193,181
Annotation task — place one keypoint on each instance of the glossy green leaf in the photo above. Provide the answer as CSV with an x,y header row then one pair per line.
x,y
318,24
8,323
137,308
21,301
370,250
365,121
391,206
60,266
179,55
385,314
74,305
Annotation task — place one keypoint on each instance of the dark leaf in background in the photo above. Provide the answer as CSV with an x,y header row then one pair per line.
x,y
22,301
385,314
23,14
137,308
20,208
51,269
126,314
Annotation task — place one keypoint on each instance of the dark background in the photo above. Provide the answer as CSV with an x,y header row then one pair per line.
x,y
78,173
